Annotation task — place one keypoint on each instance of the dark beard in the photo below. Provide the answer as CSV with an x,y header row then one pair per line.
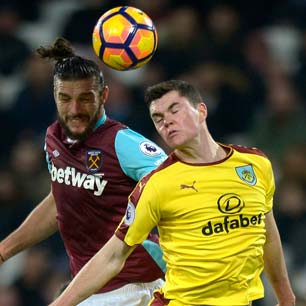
x,y
79,136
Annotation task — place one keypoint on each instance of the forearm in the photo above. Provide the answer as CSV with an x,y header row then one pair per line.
x,y
275,268
39,225
93,276
89,280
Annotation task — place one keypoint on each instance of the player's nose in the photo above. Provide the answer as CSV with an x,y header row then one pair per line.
x,y
167,120
75,107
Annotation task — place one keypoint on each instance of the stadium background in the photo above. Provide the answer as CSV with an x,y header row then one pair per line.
x,y
248,58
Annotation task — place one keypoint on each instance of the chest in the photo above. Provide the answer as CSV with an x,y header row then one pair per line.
x,y
93,169
212,192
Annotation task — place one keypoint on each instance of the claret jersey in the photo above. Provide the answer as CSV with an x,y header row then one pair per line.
x,y
211,221
91,181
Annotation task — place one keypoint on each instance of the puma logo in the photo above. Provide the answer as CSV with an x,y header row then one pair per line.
x,y
183,186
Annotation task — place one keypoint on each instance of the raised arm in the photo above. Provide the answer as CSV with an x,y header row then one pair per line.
x,y
38,226
107,263
275,267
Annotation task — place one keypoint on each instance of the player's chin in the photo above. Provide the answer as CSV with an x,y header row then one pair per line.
x,y
77,133
79,130
173,142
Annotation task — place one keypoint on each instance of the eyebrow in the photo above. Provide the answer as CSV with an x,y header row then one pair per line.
x,y
62,94
170,107
86,94
89,93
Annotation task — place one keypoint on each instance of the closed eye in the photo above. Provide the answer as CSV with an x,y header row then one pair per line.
x,y
174,108
63,98
160,120
157,118
87,98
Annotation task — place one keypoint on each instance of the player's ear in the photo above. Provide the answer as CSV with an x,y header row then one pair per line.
x,y
202,109
104,94
55,86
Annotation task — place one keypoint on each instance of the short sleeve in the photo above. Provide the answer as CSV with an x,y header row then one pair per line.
x,y
137,155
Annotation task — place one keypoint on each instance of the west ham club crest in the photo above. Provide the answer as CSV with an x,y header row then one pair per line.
x,y
93,160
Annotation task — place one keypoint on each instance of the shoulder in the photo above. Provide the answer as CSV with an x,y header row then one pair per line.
x,y
105,134
53,128
127,138
54,131
109,126
251,156
162,169
248,150
152,181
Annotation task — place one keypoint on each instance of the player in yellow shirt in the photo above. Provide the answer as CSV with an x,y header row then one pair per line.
x,y
211,219
212,204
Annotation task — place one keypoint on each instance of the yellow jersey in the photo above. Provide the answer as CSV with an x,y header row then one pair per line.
x,y
211,222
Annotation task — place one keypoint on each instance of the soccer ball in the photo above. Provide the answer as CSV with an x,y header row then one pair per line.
x,y
124,38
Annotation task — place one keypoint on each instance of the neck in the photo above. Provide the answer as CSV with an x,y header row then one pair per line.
x,y
209,152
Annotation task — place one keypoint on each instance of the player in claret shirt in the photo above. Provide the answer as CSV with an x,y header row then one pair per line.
x,y
212,204
94,163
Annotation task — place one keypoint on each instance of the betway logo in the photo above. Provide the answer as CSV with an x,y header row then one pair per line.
x,y
69,176
230,223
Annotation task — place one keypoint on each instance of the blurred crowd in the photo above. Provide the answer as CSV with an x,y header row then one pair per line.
x,y
247,57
